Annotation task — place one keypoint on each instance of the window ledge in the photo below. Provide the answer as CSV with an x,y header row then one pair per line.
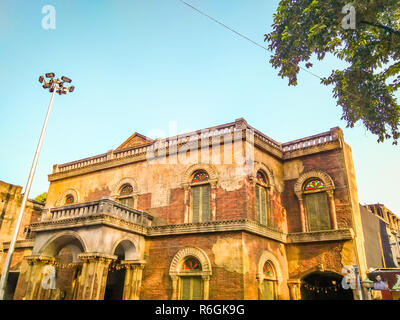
x,y
318,236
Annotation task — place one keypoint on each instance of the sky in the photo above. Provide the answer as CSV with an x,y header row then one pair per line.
x,y
144,66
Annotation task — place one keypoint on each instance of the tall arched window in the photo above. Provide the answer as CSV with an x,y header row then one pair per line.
x,y
269,282
262,198
316,205
200,197
126,195
191,282
315,189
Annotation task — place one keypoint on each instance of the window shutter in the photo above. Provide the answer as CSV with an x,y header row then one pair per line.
x,y
258,189
185,292
263,206
317,211
197,293
269,290
205,203
126,201
195,199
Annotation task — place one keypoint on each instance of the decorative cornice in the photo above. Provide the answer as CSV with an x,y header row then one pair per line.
x,y
19,244
195,228
217,226
319,236
78,222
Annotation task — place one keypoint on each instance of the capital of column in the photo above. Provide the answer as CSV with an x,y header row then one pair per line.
x,y
40,259
95,256
134,264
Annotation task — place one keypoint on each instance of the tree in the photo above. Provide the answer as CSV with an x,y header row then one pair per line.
x,y
366,89
41,198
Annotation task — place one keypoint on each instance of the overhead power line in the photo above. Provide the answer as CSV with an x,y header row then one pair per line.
x,y
244,37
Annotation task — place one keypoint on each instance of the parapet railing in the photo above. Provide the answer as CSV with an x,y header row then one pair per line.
x,y
147,147
100,207
308,142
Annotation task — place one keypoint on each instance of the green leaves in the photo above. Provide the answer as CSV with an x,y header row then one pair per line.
x,y
41,198
366,90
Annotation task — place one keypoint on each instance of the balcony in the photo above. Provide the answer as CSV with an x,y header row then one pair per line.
x,y
80,213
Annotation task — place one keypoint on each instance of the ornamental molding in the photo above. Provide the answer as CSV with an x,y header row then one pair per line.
x,y
267,171
92,256
318,236
116,188
190,252
326,179
82,222
72,191
209,168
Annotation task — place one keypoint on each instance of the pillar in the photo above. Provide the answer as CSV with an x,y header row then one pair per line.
x,y
206,287
174,287
332,209
294,289
93,279
133,279
302,216
34,289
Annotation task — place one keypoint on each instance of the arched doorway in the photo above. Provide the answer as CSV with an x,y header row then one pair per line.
x,y
324,286
68,269
116,277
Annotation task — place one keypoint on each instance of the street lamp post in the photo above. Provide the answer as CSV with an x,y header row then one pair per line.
x,y
54,86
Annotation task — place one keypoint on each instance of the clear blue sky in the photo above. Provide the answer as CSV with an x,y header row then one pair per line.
x,y
137,65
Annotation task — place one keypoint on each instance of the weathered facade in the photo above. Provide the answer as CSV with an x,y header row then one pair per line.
x,y
221,213
10,204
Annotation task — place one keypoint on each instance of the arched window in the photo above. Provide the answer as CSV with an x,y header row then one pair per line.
x,y
200,197
262,198
69,199
316,205
191,282
126,195
269,282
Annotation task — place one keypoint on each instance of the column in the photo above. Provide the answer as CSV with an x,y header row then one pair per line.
x,y
174,287
133,278
206,287
34,289
294,289
187,204
332,209
302,216
93,279
213,204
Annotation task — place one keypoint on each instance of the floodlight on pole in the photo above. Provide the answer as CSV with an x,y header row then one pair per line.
x,y
54,85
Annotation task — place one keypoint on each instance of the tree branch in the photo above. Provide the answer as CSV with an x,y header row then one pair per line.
x,y
392,31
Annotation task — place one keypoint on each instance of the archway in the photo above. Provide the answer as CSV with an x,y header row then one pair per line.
x,y
324,286
125,250
65,248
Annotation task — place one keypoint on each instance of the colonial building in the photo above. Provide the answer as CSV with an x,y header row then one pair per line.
x,y
221,213
10,204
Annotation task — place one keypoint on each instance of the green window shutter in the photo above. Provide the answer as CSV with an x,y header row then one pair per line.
x,y
205,203
269,290
197,286
263,206
317,211
185,288
195,200
126,201
258,207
